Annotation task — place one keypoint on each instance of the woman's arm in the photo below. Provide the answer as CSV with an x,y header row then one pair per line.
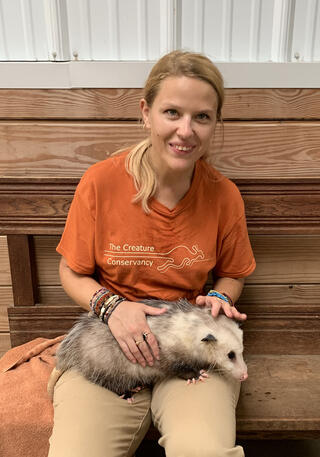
x,y
79,287
233,288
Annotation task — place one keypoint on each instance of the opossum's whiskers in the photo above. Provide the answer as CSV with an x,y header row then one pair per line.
x,y
212,366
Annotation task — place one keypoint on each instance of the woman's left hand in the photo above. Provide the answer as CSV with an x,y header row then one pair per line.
x,y
219,306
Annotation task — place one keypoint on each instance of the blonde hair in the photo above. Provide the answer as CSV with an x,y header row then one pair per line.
x,y
176,63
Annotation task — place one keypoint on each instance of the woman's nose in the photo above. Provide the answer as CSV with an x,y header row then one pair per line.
x,y
185,128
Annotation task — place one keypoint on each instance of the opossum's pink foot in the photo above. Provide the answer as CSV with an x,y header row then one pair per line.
x,y
137,389
203,375
125,397
129,394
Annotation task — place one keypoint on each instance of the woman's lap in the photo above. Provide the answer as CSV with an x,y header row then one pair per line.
x,y
197,420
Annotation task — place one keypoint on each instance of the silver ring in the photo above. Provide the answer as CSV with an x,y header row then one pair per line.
x,y
145,335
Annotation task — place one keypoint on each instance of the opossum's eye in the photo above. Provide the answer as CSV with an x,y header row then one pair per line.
x,y
209,337
231,355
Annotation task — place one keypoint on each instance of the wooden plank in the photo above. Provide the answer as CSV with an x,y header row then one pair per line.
x,y
6,296
251,150
53,295
22,269
286,259
124,104
4,323
280,294
5,343
5,276
29,322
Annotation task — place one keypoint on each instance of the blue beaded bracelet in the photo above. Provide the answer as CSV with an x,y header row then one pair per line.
x,y
214,293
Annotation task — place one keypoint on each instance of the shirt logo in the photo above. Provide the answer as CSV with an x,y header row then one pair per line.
x,y
177,258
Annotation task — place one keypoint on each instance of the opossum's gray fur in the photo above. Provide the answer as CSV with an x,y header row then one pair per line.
x,y
185,348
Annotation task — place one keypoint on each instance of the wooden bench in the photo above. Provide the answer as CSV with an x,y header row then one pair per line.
x,y
281,398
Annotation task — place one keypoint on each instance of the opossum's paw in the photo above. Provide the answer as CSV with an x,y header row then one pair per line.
x,y
128,395
203,375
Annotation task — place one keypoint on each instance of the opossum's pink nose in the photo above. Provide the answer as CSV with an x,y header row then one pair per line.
x,y
244,377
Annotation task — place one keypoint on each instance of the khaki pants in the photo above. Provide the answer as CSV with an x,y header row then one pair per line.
x,y
194,420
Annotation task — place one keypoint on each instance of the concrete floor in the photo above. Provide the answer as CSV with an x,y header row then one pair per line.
x,y
294,448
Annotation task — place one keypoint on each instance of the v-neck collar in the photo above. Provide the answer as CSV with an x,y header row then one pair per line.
x,y
186,199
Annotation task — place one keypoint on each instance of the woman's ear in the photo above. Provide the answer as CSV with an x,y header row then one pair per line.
x,y
145,111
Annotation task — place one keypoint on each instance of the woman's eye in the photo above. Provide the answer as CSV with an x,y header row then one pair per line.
x,y
203,116
172,112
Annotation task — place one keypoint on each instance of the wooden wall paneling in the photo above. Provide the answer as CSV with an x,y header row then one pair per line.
x,y
290,260
286,205
124,104
251,150
40,205
27,323
5,277
286,259
5,343
4,324
54,296
6,297
282,333
47,260
279,295
35,205
293,281
22,267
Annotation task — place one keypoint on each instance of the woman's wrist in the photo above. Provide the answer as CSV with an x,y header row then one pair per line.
x,y
104,302
222,295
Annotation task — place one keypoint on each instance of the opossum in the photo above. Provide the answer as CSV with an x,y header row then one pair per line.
x,y
190,341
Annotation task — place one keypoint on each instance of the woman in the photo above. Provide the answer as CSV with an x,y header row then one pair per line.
x,y
153,222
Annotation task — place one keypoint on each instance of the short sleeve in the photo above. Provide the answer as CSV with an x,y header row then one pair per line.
x,y
78,239
235,257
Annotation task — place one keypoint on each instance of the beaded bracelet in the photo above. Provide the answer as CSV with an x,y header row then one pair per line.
x,y
104,302
229,298
98,299
222,295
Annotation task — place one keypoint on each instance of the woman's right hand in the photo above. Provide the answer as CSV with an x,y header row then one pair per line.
x,y
128,324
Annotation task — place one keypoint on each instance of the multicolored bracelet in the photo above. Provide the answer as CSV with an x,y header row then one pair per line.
x,y
98,299
104,302
222,295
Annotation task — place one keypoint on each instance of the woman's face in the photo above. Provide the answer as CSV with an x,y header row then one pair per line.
x,y
182,121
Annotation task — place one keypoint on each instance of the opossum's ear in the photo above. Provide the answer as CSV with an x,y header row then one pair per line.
x,y
209,337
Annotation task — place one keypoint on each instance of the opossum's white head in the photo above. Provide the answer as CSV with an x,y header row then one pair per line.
x,y
225,342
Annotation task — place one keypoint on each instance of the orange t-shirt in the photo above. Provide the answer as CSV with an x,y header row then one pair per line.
x,y
166,254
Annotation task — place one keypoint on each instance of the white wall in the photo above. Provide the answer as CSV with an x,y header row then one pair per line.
x,y
139,31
